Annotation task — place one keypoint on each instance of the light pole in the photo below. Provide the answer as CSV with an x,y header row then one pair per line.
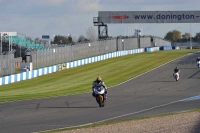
x,y
54,39
9,41
187,41
123,43
190,37
71,54
1,42
5,35
89,49
20,51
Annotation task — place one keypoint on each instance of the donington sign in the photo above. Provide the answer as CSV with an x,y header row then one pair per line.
x,y
149,16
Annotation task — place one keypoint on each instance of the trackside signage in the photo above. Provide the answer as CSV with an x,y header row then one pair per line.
x,y
149,16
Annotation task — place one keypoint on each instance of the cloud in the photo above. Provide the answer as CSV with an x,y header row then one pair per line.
x,y
49,2
168,2
22,3
56,1
33,17
89,5
120,2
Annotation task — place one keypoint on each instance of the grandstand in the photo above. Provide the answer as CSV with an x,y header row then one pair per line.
x,y
11,40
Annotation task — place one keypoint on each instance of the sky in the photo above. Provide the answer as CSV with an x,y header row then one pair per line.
x,y
35,18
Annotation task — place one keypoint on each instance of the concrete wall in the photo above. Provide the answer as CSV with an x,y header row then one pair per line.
x,y
161,42
145,42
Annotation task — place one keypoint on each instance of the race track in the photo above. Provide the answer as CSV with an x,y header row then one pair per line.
x,y
152,93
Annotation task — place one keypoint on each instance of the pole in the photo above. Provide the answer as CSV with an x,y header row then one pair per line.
x,y
9,40
1,42
36,58
20,51
190,37
11,44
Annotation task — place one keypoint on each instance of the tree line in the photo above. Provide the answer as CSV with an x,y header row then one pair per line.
x,y
90,36
176,36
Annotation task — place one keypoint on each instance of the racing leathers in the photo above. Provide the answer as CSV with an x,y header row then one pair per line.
x,y
176,70
97,84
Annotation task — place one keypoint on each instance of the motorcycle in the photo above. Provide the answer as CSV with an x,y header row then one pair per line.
x,y
176,76
99,94
198,64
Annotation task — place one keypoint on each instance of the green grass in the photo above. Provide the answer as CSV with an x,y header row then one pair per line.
x,y
16,70
79,79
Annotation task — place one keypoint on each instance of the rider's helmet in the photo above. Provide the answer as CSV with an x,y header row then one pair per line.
x,y
98,79
176,67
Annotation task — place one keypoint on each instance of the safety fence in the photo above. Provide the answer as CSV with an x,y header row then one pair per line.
x,y
186,44
72,52
77,51
66,65
7,63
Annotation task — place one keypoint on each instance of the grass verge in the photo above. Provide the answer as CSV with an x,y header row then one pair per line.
x,y
78,80
118,121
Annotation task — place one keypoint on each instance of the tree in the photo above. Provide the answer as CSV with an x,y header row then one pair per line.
x,y
70,39
186,35
176,35
74,39
61,40
169,36
82,38
29,39
173,35
91,34
197,37
37,40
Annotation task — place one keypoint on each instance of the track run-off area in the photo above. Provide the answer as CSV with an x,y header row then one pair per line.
x,y
151,93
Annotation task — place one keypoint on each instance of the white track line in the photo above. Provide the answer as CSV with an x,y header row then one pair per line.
x,y
133,112
118,116
151,70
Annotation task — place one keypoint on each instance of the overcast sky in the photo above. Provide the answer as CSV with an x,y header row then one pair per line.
x,y
62,17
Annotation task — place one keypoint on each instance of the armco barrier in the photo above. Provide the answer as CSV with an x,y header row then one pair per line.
x,y
175,47
51,69
152,49
27,75
166,48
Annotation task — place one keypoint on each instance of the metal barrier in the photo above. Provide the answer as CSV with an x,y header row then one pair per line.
x,y
7,64
77,51
186,44
67,53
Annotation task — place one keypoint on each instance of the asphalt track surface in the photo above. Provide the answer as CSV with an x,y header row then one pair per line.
x,y
152,93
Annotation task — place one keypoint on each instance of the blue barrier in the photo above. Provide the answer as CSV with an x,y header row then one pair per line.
x,y
166,48
175,47
151,49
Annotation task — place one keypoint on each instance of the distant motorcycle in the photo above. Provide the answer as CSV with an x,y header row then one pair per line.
x,y
99,94
198,64
176,76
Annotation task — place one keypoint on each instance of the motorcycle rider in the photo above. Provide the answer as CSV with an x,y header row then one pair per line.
x,y
198,59
176,70
99,83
